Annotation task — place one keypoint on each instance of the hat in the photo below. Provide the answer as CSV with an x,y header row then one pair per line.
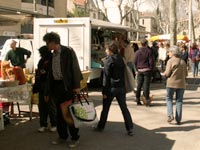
x,y
175,50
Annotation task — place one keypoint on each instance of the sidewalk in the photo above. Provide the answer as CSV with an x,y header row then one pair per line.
x,y
152,132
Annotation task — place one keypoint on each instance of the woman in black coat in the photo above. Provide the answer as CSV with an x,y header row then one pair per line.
x,y
114,86
46,106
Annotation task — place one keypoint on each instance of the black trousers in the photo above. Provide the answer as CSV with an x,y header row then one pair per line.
x,y
60,95
46,109
120,95
143,80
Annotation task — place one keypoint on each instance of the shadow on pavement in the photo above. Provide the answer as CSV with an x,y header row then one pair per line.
x,y
191,122
24,136
115,137
176,128
21,134
194,81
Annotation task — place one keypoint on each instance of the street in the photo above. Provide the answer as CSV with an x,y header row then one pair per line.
x,y
152,132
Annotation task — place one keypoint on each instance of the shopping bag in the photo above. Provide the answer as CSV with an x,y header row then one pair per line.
x,y
130,83
83,112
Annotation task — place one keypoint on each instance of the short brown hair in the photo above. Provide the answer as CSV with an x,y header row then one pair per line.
x,y
144,42
113,47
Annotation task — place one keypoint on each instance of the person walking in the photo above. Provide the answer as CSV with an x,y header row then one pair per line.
x,y
154,49
46,106
128,56
184,53
114,86
162,55
64,82
144,62
194,55
176,72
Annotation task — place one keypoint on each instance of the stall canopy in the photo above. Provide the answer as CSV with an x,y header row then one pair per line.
x,y
167,37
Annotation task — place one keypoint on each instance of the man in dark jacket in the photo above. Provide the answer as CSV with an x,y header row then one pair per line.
x,y
144,63
64,81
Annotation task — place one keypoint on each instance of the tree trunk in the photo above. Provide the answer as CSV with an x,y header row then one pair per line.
x,y
193,30
173,20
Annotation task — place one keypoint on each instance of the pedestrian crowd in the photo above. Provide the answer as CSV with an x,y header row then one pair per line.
x,y
58,79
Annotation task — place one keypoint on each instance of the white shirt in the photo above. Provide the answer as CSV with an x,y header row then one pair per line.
x,y
162,53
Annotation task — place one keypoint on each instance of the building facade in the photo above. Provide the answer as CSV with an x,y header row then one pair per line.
x,y
16,16
150,23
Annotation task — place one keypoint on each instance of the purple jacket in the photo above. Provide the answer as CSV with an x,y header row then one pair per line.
x,y
193,53
144,59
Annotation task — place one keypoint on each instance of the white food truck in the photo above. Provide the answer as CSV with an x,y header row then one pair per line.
x,y
85,35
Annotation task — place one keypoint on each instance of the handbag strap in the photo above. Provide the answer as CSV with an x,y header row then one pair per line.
x,y
175,67
80,96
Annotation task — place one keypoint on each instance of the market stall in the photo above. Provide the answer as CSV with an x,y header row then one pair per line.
x,y
10,91
167,37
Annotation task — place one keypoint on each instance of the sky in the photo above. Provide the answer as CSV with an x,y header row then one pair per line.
x,y
113,12
144,6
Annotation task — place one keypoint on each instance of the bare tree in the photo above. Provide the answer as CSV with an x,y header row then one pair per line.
x,y
159,10
130,4
164,16
120,3
136,18
102,10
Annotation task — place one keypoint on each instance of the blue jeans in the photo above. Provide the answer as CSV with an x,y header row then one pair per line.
x,y
195,68
120,95
179,102
143,80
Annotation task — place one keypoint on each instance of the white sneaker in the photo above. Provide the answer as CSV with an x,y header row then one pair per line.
x,y
53,129
73,144
42,129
